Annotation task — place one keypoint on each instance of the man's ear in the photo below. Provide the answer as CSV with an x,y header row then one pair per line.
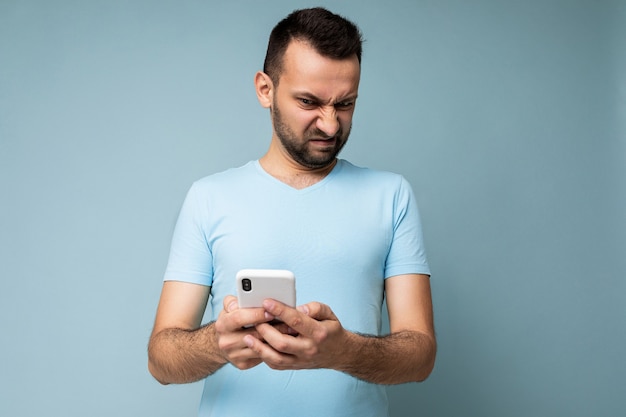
x,y
264,89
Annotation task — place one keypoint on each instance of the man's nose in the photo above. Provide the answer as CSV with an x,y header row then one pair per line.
x,y
328,122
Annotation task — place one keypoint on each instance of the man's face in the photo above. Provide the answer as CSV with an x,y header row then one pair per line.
x,y
313,104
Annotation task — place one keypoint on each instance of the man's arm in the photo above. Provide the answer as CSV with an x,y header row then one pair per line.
x,y
181,351
406,354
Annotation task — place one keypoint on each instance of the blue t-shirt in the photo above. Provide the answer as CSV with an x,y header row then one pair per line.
x,y
342,237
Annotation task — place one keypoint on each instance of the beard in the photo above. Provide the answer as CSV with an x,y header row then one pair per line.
x,y
300,149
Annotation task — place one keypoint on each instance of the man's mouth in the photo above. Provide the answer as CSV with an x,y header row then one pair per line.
x,y
324,142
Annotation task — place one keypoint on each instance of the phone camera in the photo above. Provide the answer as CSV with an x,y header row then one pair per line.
x,y
246,284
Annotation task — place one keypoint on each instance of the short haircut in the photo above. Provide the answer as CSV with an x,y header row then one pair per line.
x,y
329,34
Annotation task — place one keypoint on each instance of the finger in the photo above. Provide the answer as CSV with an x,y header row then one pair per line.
x,y
231,343
282,342
295,319
317,311
230,303
249,317
246,319
273,358
283,328
242,357
304,319
240,318
247,364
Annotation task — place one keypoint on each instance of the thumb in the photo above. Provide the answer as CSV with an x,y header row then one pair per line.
x,y
230,303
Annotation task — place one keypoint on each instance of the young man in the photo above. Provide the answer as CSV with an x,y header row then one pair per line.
x,y
352,236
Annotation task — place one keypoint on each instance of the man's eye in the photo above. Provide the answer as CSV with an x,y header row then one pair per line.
x,y
344,104
307,102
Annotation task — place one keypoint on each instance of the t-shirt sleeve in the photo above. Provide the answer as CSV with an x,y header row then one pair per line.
x,y
407,254
190,257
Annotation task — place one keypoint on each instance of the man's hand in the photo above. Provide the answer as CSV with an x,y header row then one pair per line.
x,y
314,337
232,326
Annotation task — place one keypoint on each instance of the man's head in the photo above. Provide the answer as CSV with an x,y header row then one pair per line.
x,y
316,57
330,35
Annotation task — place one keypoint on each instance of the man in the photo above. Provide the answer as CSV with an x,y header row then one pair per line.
x,y
352,236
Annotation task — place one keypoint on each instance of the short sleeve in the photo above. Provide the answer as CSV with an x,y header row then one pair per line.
x,y
190,257
407,254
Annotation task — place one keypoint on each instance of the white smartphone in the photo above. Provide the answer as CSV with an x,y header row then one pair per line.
x,y
255,285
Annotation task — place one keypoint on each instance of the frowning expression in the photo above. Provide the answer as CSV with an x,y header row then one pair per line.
x,y
313,104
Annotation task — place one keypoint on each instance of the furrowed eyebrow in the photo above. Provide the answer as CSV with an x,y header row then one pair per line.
x,y
350,99
308,96
316,99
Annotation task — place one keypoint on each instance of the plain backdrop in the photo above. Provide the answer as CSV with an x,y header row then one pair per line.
x,y
507,117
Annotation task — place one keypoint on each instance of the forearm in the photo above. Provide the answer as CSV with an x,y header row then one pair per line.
x,y
178,356
405,356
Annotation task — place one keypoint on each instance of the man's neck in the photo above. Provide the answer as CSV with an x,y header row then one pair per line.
x,y
293,174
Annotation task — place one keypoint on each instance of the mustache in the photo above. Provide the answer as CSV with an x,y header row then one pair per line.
x,y
317,134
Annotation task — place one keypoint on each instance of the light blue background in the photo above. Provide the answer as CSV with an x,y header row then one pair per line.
x,y
507,117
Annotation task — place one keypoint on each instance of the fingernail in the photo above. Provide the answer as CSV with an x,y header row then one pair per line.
x,y
268,316
303,309
232,306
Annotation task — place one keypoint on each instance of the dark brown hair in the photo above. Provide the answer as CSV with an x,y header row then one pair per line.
x,y
329,34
